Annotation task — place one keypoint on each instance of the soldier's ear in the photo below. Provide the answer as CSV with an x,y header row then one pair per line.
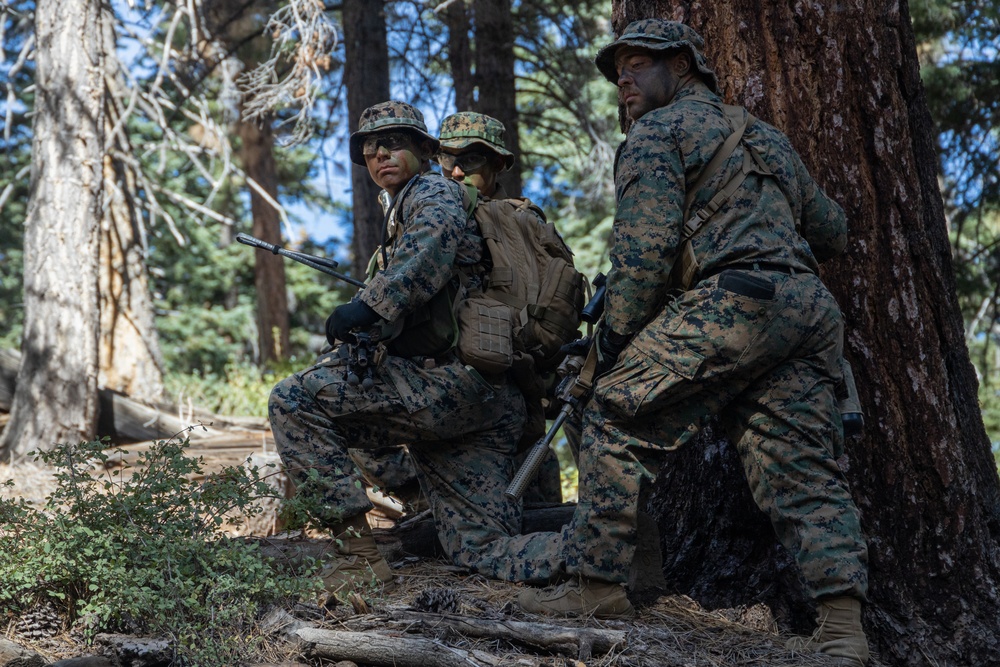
x,y
681,63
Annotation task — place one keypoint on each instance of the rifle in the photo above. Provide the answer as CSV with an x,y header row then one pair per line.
x,y
323,264
573,391
362,355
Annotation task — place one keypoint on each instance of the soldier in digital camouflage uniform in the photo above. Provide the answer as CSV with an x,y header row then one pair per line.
x,y
756,338
461,428
472,150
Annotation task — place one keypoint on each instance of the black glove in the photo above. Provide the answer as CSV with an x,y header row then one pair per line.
x,y
352,315
576,348
609,346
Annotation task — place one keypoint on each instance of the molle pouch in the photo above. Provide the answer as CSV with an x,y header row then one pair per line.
x,y
485,338
746,284
430,330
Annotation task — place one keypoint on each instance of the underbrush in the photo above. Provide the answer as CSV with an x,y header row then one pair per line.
x,y
143,551
242,389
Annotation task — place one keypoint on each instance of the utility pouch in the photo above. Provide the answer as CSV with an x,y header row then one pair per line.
x,y
429,331
747,284
485,339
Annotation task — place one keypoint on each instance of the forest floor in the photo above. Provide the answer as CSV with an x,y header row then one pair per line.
x,y
471,620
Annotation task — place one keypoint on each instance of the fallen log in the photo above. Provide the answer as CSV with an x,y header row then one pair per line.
x,y
380,650
125,420
582,642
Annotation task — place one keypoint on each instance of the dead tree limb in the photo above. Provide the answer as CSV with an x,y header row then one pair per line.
x,y
581,642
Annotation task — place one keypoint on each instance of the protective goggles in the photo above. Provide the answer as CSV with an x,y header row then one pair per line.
x,y
467,162
391,141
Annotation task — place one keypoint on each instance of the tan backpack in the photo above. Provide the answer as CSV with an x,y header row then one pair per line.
x,y
532,295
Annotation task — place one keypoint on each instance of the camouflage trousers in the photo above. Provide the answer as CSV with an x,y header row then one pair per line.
x,y
460,430
766,362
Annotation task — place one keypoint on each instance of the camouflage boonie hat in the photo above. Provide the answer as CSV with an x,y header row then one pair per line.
x,y
463,129
657,35
387,116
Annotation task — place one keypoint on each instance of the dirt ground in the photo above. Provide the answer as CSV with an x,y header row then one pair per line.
x,y
670,631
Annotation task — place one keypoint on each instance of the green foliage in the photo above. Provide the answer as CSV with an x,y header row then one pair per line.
x,y
144,551
241,388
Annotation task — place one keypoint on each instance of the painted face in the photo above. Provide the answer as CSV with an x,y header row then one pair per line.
x,y
392,159
646,80
477,169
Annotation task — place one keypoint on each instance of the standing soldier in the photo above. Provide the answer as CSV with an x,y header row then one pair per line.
x,y
714,307
461,428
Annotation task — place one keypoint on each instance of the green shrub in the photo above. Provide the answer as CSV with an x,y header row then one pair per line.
x,y
144,551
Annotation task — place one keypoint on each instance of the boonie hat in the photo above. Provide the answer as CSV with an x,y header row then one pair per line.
x,y
463,129
384,117
657,35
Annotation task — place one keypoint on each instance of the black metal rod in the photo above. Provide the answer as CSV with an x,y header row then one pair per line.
x,y
321,264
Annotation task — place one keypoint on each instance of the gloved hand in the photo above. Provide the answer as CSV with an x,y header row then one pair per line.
x,y
576,348
609,346
351,315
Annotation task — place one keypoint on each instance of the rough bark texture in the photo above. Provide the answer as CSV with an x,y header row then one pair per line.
x,y
366,75
495,77
842,81
456,17
56,398
269,269
130,360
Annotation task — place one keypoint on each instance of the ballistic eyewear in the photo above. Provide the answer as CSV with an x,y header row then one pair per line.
x,y
391,141
469,163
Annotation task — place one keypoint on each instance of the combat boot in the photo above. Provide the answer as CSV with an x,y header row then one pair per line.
x,y
578,597
838,633
355,561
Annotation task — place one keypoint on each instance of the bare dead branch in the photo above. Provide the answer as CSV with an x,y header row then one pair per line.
x,y
304,37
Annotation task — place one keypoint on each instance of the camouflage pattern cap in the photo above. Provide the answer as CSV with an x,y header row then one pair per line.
x,y
657,35
387,117
466,128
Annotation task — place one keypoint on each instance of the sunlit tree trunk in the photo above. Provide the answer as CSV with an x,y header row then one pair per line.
x,y
842,81
269,270
129,351
494,31
366,75
56,396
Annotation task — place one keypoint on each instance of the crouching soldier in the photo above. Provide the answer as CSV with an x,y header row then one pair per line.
x,y
461,428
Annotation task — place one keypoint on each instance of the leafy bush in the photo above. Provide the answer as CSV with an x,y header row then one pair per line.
x,y
145,553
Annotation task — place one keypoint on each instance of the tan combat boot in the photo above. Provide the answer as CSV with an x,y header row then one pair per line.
x,y
578,597
838,633
356,561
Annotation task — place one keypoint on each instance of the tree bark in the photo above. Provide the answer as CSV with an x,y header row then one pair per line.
x,y
366,75
269,269
494,29
923,475
56,397
129,353
456,18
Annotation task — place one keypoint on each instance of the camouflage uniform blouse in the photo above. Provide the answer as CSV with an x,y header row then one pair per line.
x,y
664,153
435,236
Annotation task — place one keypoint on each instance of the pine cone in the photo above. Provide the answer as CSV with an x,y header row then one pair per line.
x,y
438,600
40,622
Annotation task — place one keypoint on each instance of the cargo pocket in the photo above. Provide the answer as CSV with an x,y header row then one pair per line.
x,y
640,386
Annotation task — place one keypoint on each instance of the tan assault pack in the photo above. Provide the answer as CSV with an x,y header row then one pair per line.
x,y
532,294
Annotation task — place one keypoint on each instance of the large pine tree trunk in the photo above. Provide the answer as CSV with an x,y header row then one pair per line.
x,y
269,269
56,396
130,360
842,81
366,75
456,18
495,77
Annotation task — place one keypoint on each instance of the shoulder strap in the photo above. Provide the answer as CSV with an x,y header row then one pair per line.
x,y
724,153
